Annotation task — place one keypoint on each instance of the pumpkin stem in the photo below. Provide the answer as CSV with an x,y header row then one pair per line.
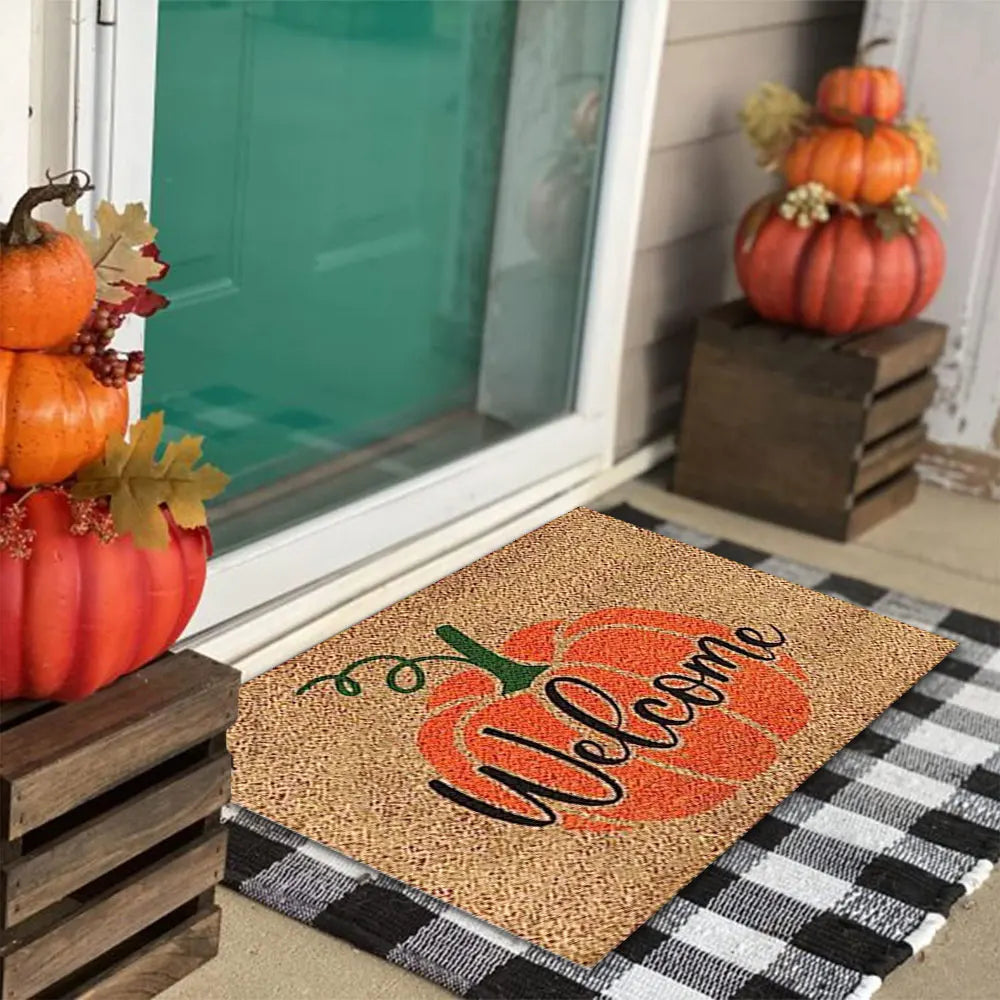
x,y
513,676
22,228
868,47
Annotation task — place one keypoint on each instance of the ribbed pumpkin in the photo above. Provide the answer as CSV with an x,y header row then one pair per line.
x,y
854,166
840,277
79,613
849,92
54,415
47,281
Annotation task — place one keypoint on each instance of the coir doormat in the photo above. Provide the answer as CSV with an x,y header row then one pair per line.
x,y
560,736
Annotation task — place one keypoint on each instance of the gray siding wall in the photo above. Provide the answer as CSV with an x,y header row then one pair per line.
x,y
701,176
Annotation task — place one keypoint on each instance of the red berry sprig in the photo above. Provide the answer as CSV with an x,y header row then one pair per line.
x,y
110,367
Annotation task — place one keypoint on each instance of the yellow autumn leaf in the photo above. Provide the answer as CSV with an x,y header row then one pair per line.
x,y
924,139
115,250
136,484
188,483
772,117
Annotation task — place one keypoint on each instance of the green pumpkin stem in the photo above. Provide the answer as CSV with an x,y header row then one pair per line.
x,y
513,676
22,229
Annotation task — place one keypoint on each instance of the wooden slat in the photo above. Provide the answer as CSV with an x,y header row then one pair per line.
x,y
889,457
160,964
13,713
760,441
71,861
882,502
900,352
51,764
101,924
899,406
794,54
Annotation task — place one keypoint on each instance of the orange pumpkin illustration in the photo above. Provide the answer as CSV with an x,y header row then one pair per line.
x,y
618,717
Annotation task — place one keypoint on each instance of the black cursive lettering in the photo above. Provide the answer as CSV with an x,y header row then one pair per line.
x,y
531,791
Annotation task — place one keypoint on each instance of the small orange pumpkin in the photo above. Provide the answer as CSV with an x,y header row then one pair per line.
x,y
854,166
47,281
850,92
54,415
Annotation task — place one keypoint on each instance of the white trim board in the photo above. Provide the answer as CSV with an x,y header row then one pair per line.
x,y
944,52
271,635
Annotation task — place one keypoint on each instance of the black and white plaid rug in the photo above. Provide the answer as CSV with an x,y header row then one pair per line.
x,y
844,880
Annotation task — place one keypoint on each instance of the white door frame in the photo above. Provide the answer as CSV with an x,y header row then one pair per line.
x,y
537,467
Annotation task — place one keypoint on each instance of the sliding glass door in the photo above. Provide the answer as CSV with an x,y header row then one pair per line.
x,y
381,220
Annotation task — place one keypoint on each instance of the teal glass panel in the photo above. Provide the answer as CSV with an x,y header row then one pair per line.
x,y
376,213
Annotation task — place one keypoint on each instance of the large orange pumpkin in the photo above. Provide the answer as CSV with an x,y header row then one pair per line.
x,y
839,277
618,717
854,166
47,281
79,613
54,415
850,92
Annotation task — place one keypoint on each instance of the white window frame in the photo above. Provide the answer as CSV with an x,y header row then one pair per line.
x,y
273,588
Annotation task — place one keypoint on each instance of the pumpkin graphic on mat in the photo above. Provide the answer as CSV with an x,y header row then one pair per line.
x,y
616,717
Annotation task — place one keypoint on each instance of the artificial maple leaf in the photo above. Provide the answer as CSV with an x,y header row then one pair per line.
x,y
116,251
137,484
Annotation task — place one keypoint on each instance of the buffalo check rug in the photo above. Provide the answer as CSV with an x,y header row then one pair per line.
x,y
837,885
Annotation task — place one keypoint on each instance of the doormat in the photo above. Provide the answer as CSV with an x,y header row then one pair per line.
x,y
844,880
560,736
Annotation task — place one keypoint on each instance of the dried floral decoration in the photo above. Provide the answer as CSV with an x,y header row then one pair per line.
x,y
92,517
15,538
773,117
136,483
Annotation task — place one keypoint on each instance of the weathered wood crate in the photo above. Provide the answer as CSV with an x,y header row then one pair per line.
x,y
110,837
816,433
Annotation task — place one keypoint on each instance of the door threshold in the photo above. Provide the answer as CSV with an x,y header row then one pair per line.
x,y
268,636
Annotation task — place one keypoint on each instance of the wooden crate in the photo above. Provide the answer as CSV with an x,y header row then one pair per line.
x,y
110,837
816,433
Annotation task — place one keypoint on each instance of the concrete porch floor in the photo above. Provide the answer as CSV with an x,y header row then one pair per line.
x,y
943,548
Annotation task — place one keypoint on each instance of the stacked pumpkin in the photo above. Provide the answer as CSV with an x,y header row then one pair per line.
x,y
103,548
841,247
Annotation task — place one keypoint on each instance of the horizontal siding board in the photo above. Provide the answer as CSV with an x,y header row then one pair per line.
x,y
704,82
650,389
689,19
672,284
698,186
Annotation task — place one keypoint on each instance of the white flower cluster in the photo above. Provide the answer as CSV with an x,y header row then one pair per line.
x,y
903,207
807,203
